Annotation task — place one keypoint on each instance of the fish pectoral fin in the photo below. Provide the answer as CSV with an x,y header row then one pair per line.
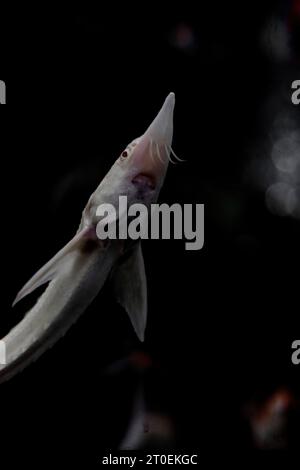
x,y
130,286
55,265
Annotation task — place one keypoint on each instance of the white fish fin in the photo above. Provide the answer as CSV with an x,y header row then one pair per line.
x,y
130,285
50,269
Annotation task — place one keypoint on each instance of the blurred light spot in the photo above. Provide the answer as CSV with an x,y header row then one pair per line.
x,y
286,152
282,199
183,37
275,40
147,429
269,421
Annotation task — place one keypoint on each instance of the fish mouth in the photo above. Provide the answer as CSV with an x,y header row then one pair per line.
x,y
144,181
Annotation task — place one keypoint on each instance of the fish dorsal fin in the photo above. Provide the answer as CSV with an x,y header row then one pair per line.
x,y
130,286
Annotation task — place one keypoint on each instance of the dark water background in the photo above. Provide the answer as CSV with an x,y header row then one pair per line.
x,y
82,84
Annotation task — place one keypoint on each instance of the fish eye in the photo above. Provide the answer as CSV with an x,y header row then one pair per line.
x,y
125,154
128,150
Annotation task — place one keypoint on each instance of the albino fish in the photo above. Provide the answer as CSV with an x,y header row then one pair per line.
x,y
78,271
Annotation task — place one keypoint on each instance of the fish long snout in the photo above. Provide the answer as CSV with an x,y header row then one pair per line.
x,y
161,129
152,153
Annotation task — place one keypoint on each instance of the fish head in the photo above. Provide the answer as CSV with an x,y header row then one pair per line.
x,y
140,170
145,160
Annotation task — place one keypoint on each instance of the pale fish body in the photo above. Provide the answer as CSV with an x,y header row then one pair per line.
x,y
78,272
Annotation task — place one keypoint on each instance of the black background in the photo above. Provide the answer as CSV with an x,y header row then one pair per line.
x,y
81,84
